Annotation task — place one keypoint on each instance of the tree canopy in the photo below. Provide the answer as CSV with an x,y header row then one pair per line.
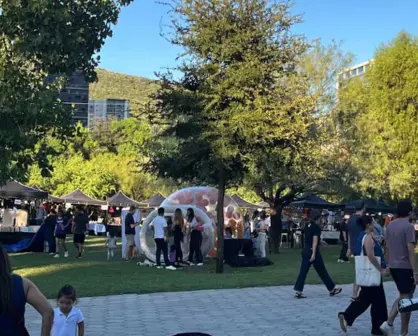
x,y
378,122
39,39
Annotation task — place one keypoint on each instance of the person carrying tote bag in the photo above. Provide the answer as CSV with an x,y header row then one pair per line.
x,y
370,267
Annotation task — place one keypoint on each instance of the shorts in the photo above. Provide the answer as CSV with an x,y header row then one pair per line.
x,y
61,236
130,239
79,238
404,280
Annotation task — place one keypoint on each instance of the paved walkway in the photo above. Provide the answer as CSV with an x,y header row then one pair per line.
x,y
234,312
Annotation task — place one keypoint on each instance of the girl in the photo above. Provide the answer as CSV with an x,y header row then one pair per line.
x,y
178,233
60,233
195,238
15,292
111,244
68,320
369,296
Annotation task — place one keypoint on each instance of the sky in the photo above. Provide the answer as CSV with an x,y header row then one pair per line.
x,y
137,48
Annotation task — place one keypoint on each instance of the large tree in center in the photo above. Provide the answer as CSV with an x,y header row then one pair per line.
x,y
235,97
37,39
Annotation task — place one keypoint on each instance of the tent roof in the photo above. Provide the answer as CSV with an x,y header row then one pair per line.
x,y
120,199
14,189
262,204
371,205
51,198
155,201
243,203
78,197
314,202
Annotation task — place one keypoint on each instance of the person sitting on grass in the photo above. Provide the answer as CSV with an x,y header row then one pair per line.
x,y
15,292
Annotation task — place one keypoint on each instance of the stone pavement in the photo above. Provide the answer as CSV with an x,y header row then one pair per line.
x,y
231,312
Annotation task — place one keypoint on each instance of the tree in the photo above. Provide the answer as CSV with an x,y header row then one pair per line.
x,y
377,120
39,39
312,163
239,95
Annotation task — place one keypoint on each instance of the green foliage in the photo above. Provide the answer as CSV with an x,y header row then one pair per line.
x,y
378,119
136,90
100,163
40,38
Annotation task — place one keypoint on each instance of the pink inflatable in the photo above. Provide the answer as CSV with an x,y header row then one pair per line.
x,y
206,198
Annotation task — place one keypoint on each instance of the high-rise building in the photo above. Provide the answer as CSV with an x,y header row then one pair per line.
x,y
107,109
76,94
355,71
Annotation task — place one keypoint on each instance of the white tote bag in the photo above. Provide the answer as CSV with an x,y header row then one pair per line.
x,y
367,275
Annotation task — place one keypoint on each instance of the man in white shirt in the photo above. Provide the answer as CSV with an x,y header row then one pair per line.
x,y
159,224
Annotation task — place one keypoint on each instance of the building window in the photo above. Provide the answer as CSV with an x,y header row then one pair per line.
x,y
361,70
354,72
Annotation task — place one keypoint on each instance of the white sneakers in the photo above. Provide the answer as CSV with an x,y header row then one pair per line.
x,y
387,329
66,254
199,264
56,256
171,268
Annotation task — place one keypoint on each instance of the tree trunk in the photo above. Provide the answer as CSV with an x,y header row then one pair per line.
x,y
220,227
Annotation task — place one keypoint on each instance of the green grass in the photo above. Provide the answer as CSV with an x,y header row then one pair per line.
x,y
95,276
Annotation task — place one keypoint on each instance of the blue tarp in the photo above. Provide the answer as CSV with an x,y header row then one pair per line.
x,y
28,244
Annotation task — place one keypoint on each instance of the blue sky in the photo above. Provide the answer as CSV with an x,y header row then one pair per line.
x,y
137,48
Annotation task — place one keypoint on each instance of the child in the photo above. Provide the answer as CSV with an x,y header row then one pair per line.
x,y
68,320
111,244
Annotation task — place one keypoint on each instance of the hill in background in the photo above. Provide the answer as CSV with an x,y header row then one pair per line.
x,y
116,85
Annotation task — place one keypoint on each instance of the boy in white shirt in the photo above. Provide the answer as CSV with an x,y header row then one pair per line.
x,y
159,224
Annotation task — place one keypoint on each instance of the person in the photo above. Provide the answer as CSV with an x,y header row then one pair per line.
x,y
275,231
196,239
369,296
400,256
354,230
262,234
111,244
228,233
178,234
50,224
130,232
344,240
15,292
247,227
311,255
60,233
68,320
256,220
159,224
80,225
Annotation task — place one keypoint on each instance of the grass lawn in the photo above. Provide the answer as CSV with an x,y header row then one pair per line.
x,y
94,275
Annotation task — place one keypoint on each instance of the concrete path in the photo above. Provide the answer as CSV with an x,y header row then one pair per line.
x,y
234,312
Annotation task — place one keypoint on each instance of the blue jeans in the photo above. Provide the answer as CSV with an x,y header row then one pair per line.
x,y
319,266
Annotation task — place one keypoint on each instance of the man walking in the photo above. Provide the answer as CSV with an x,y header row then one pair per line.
x,y
130,232
354,230
311,256
159,225
50,224
400,256
80,225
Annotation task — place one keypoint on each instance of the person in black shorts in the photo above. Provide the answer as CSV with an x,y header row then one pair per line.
x,y
80,222
401,259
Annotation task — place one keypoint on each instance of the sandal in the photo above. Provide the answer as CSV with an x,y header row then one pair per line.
x,y
300,296
343,322
335,291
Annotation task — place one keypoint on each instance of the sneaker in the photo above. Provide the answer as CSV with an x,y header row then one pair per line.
x,y
66,254
51,253
190,263
160,267
387,329
343,323
171,268
199,264
339,261
56,256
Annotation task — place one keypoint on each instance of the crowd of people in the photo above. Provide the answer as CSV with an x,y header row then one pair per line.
x,y
378,252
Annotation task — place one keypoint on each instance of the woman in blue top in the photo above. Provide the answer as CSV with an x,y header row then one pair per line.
x,y
369,296
15,291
